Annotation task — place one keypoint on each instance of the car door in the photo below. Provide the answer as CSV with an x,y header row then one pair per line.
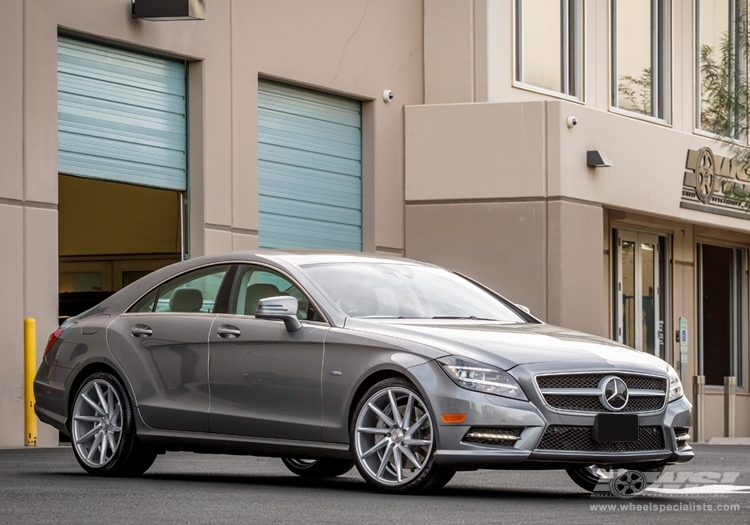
x,y
265,380
162,343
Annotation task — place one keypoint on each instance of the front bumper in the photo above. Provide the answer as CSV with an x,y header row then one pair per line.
x,y
534,418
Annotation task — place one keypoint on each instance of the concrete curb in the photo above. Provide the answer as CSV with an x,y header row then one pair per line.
x,y
729,441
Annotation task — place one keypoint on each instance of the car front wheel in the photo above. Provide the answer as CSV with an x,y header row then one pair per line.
x,y
394,439
102,429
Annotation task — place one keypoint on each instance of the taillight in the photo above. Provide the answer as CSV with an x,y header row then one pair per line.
x,y
53,337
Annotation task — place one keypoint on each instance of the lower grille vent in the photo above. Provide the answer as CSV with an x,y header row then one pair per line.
x,y
681,436
578,438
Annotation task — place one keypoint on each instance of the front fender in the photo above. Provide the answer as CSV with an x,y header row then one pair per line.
x,y
350,366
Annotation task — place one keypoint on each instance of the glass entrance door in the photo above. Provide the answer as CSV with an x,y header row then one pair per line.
x,y
639,306
720,313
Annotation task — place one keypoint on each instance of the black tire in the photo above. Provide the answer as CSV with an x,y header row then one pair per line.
x,y
588,479
130,457
427,475
318,468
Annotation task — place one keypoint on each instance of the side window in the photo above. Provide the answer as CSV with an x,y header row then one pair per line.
x,y
254,283
193,292
146,303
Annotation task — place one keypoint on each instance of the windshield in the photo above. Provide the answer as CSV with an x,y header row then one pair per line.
x,y
406,291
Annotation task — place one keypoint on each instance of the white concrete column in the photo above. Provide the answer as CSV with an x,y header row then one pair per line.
x,y
730,402
699,410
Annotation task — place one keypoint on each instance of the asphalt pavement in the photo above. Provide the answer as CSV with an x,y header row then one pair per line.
x,y
47,485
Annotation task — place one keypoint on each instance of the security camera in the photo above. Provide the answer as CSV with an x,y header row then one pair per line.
x,y
387,95
572,121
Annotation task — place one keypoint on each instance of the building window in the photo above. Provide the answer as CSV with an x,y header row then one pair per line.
x,y
640,56
549,45
718,26
721,329
640,278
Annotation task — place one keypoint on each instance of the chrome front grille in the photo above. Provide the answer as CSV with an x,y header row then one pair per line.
x,y
577,403
644,404
592,381
582,392
569,381
578,438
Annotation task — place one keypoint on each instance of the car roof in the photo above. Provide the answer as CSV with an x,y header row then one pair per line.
x,y
288,259
304,257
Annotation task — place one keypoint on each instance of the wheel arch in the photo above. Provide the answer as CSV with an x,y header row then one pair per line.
x,y
86,372
430,475
368,382
381,375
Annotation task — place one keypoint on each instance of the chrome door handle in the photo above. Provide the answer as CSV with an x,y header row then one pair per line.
x,y
227,331
141,330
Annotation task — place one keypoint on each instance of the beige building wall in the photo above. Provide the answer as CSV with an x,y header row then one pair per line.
x,y
484,141
469,57
465,157
353,48
11,214
502,192
494,182
573,264
501,244
526,149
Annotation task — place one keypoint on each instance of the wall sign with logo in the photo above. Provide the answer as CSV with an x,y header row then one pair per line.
x,y
715,184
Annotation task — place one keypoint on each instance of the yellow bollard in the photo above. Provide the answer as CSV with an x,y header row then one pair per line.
x,y
29,336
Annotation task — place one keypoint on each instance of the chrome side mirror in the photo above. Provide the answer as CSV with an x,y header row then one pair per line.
x,y
524,308
282,307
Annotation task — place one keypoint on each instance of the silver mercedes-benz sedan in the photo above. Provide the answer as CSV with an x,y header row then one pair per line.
x,y
409,371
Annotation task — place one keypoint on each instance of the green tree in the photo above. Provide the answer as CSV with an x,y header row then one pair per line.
x,y
636,92
725,100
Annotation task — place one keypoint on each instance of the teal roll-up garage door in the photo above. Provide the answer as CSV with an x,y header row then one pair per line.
x,y
309,169
121,115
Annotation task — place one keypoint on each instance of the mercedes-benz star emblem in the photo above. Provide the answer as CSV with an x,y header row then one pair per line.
x,y
614,394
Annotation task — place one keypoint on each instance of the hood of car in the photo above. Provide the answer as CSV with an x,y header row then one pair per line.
x,y
510,344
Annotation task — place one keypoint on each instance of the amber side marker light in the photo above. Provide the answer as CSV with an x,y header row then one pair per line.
x,y
453,418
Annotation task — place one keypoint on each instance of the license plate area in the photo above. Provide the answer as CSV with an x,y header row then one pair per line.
x,y
615,428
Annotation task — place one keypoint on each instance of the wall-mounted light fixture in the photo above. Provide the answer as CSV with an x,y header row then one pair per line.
x,y
597,159
166,10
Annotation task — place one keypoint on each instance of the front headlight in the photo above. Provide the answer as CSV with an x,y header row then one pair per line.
x,y
473,375
675,386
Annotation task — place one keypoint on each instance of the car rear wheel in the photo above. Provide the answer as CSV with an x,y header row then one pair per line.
x,y
394,439
318,468
597,479
102,429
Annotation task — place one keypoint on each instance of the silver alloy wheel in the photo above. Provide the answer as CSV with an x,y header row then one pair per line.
x,y
97,423
394,436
